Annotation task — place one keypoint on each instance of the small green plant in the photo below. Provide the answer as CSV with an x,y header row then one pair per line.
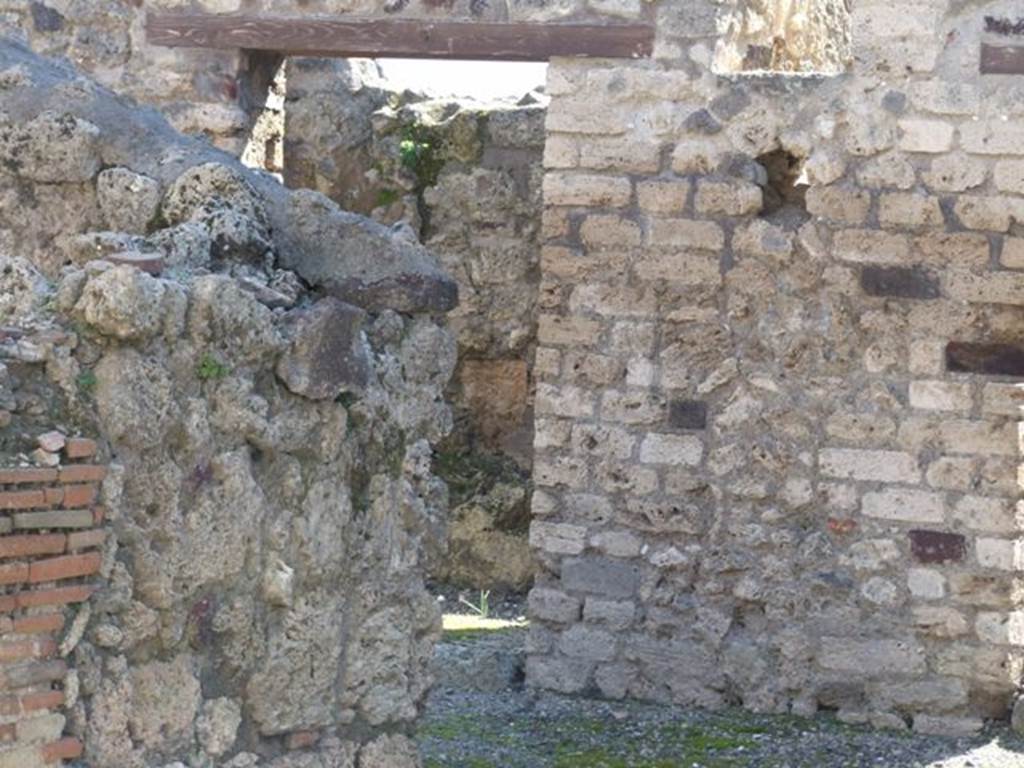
x,y
210,368
410,151
419,153
483,607
86,382
386,197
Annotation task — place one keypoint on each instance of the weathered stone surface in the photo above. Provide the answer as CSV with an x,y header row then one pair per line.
x,y
903,282
123,302
129,201
358,261
600,576
983,358
487,544
53,147
22,288
328,354
937,547
223,475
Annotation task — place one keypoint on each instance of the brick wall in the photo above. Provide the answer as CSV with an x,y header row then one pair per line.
x,y
51,540
777,438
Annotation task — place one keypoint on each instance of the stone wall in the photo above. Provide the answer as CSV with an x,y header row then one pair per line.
x,y
264,375
777,417
466,178
778,345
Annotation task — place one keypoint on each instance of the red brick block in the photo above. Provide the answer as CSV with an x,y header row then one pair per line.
x,y
53,496
59,596
99,514
32,625
67,567
67,748
80,448
19,476
7,603
6,625
76,496
22,499
32,702
86,539
302,739
13,573
8,733
32,544
83,473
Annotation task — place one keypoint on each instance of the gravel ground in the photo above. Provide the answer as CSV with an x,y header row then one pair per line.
x,y
465,728
517,729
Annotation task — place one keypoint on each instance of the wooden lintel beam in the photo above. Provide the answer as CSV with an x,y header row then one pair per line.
x,y
399,38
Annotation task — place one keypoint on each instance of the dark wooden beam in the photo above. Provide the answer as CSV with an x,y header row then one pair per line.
x,y
399,38
1002,59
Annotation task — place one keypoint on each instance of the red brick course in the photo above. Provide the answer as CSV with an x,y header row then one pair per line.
x,y
67,567
50,556
67,748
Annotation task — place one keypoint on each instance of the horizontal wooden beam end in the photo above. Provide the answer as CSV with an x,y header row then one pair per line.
x,y
400,38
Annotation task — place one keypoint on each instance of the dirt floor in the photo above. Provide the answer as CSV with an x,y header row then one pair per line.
x,y
481,716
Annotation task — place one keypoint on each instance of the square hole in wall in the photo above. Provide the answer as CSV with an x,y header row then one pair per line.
x,y
784,36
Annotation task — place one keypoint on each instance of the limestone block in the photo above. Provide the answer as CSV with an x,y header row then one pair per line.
x,y
217,725
164,705
328,354
615,614
552,605
947,726
991,213
663,196
123,302
1000,554
940,396
926,136
616,543
845,204
858,464
904,504
671,449
52,148
558,673
992,137
1009,176
558,538
728,198
987,514
607,230
600,576
939,622
904,209
586,642
586,190
683,232
129,201
957,172
390,751
891,169
871,658
872,246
